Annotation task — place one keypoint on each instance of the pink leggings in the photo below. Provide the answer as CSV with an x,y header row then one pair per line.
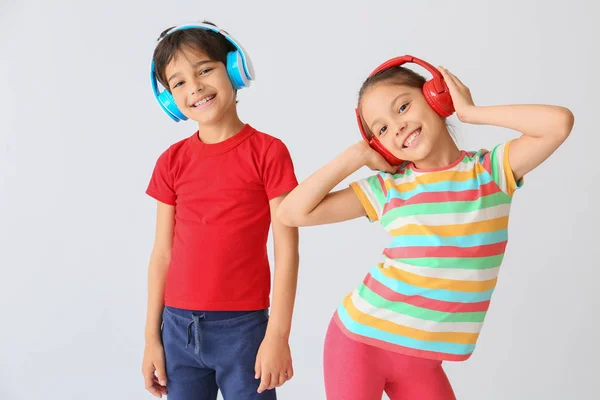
x,y
358,371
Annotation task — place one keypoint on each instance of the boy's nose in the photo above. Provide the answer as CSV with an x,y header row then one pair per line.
x,y
197,87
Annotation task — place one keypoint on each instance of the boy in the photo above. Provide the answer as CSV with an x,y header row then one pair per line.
x,y
207,325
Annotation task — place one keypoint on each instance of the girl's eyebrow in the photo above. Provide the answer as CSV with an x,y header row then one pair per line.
x,y
393,105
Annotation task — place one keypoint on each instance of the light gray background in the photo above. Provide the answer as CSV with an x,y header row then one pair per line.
x,y
80,132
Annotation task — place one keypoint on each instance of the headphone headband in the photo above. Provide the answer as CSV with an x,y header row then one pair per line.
x,y
399,61
248,67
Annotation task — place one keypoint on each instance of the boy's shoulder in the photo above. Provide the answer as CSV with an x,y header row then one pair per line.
x,y
265,142
175,149
178,146
264,137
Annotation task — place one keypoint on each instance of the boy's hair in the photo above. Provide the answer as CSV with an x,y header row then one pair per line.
x,y
398,76
215,45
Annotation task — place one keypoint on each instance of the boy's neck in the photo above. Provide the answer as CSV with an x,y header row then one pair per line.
x,y
220,131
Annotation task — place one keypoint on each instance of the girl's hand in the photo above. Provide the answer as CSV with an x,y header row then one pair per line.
x,y
461,95
373,159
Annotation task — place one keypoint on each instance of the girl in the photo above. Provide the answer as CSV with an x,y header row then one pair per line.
x,y
447,210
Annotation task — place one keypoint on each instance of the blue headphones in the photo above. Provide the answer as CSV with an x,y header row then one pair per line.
x,y
239,69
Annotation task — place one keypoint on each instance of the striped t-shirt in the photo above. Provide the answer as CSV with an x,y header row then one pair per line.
x,y
429,296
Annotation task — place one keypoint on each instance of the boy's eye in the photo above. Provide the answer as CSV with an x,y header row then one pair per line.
x,y
206,71
382,130
177,84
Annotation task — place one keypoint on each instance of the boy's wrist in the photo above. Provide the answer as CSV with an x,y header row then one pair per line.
x,y
152,336
277,332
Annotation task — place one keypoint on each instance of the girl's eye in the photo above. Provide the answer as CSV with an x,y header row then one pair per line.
x,y
382,130
403,108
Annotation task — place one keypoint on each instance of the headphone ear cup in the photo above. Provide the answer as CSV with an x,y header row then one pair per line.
x,y
441,103
167,102
235,70
385,153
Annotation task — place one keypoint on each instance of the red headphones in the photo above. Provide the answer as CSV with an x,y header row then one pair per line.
x,y
435,91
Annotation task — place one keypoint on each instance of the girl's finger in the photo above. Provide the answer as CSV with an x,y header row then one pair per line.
x,y
455,78
447,78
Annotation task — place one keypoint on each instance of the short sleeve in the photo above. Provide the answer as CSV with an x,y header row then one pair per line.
x,y
497,164
278,170
161,183
372,194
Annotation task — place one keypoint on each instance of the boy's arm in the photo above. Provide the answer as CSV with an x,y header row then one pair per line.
x,y
274,362
153,365
157,269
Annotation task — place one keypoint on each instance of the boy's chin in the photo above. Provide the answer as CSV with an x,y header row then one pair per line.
x,y
204,119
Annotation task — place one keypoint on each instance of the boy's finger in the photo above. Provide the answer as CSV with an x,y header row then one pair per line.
x,y
149,381
290,372
274,379
264,382
257,370
282,379
161,375
151,388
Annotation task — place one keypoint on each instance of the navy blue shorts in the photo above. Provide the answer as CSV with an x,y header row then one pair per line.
x,y
208,351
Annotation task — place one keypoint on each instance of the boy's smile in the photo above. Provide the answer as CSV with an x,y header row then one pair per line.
x,y
204,101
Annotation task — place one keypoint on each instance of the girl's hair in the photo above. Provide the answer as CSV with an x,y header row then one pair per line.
x,y
399,76
215,45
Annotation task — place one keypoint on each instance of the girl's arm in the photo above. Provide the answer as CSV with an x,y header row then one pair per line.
x,y
544,127
311,203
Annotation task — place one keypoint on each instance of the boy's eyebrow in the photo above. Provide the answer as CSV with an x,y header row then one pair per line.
x,y
196,65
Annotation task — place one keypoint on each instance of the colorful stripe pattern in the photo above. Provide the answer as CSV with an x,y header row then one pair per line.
x,y
430,296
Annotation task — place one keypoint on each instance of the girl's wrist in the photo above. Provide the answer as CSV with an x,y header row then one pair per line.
x,y
470,115
357,153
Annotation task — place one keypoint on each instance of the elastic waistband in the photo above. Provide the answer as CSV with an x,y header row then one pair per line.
x,y
209,315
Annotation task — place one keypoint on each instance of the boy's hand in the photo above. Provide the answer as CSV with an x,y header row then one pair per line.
x,y
273,363
153,369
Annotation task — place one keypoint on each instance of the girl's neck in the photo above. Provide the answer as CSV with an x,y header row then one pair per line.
x,y
443,154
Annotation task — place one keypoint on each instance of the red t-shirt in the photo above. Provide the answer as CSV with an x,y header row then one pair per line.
x,y
221,195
